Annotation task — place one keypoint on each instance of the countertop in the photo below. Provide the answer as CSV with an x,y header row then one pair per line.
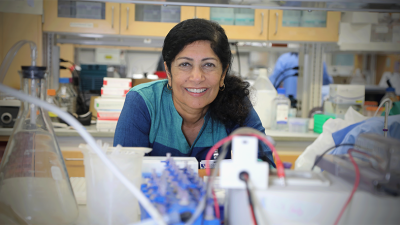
x,y
67,132
276,135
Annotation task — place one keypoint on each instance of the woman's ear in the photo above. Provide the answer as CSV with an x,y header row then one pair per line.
x,y
221,83
168,74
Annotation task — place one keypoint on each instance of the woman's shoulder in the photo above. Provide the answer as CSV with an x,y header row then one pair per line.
x,y
150,86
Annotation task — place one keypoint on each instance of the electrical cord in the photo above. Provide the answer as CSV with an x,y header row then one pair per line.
x,y
244,176
281,73
74,72
216,206
326,151
356,182
294,75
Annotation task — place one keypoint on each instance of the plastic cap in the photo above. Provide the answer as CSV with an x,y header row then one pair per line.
x,y
281,91
370,103
389,89
51,92
64,80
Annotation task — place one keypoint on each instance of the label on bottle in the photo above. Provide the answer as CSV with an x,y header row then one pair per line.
x,y
56,173
282,112
63,90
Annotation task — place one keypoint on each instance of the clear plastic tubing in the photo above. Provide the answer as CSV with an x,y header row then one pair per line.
x,y
78,127
11,54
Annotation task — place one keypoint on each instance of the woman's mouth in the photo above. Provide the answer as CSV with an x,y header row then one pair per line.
x,y
196,90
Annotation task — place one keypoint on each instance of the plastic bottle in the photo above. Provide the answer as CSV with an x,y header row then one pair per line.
x,y
65,96
280,111
265,94
51,98
390,94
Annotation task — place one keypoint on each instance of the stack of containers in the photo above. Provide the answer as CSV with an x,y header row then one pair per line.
x,y
110,104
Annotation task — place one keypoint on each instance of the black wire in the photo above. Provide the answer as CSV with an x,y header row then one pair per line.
x,y
237,53
82,93
294,75
281,73
322,155
244,176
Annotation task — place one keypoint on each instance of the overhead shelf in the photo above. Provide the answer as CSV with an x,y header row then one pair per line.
x,y
370,47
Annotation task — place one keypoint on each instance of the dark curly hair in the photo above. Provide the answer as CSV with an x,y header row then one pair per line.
x,y
232,105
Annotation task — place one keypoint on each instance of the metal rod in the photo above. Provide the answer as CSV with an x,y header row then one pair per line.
x,y
385,126
276,23
112,17
127,18
262,23
269,5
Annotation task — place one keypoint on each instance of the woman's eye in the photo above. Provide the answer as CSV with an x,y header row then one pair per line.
x,y
209,65
184,64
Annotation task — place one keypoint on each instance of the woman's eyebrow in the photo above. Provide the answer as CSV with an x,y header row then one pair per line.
x,y
190,59
210,58
187,58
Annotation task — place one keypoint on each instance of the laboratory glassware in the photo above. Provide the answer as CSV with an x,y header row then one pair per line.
x,y
34,183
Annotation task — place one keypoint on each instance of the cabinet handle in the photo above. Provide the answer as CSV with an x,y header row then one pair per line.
x,y
127,18
73,159
262,23
276,23
112,17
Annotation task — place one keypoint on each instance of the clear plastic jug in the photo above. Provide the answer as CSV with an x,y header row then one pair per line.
x,y
34,183
265,94
108,200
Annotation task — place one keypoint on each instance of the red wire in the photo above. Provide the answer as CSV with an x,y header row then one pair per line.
x,y
216,206
357,171
253,216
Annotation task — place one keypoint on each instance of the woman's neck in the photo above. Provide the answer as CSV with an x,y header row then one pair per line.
x,y
191,117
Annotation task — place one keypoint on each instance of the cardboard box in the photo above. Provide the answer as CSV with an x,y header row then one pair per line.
x,y
354,33
141,81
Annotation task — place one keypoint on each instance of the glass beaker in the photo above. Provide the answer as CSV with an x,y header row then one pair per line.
x,y
34,183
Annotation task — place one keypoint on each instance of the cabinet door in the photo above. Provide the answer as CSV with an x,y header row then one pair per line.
x,y
152,20
239,24
81,17
296,25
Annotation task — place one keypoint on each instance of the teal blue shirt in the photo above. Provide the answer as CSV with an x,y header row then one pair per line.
x,y
149,119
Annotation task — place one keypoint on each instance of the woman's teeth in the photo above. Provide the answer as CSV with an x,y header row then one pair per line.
x,y
196,90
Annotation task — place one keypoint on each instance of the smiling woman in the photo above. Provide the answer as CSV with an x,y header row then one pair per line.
x,y
197,106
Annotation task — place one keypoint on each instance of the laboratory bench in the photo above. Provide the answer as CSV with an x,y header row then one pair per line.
x,y
289,144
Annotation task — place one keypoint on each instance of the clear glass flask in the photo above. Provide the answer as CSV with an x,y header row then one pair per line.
x,y
34,183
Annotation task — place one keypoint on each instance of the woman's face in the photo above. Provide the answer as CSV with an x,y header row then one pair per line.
x,y
196,76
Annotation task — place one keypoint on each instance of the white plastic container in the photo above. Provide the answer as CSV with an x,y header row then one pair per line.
x,y
112,92
108,200
106,125
117,82
265,94
298,125
108,115
109,103
280,111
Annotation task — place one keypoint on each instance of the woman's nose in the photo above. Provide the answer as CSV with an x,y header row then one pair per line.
x,y
197,75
